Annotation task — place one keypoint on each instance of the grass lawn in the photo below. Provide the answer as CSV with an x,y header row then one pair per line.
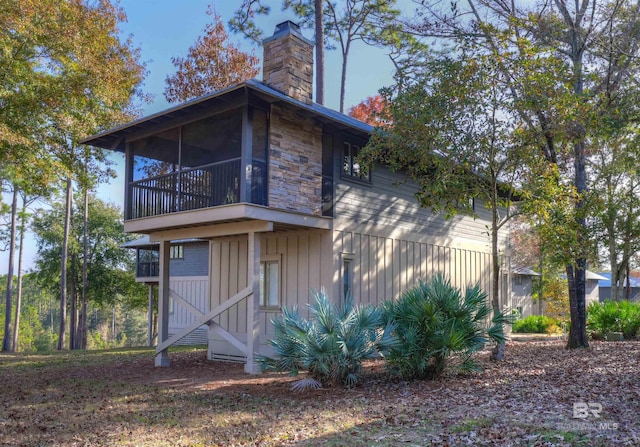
x,y
118,398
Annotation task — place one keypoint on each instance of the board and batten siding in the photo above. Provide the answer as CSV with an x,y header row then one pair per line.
x,y
305,264
195,290
394,242
384,267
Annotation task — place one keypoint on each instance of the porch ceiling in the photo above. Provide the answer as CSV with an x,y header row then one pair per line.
x,y
114,139
200,222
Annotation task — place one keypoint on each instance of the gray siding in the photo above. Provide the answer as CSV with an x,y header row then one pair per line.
x,y
195,262
522,296
390,202
592,292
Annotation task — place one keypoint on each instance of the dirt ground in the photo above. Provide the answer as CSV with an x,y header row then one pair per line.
x,y
541,395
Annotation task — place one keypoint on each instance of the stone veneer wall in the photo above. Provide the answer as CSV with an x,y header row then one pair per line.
x,y
295,162
288,66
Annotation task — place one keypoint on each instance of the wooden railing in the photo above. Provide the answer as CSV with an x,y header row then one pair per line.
x,y
189,189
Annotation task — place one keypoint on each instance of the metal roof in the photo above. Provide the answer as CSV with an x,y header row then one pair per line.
x,y
590,275
524,271
144,241
606,281
113,138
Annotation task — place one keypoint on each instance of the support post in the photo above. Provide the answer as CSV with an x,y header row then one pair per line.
x,y
150,317
162,357
253,303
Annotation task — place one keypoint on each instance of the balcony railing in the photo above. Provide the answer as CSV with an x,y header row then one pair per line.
x,y
148,269
189,189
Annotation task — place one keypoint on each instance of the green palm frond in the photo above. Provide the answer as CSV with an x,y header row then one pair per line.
x,y
434,323
331,344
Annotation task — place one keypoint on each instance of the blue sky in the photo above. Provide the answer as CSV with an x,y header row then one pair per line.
x,y
166,28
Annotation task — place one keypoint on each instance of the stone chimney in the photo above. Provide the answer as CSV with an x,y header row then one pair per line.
x,y
287,65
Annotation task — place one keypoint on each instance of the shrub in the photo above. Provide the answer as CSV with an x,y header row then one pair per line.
x,y
613,316
331,345
537,324
436,323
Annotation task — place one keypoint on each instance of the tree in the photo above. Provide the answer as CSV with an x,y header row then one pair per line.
x,y
26,201
211,64
616,188
104,82
344,24
67,75
110,267
597,46
6,341
373,110
453,134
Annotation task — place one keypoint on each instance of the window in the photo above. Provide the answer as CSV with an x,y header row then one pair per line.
x,y
350,166
270,283
176,252
518,279
347,275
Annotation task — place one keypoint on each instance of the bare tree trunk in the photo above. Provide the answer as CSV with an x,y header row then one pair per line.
x,y
578,331
16,324
627,291
113,323
63,264
82,329
73,305
6,341
499,350
343,78
319,51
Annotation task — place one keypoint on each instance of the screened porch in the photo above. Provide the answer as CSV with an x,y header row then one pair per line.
x,y
198,165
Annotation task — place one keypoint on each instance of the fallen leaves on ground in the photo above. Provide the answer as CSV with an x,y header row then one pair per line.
x,y
118,398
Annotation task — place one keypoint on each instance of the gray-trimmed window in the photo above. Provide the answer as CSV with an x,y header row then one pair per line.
x,y
270,281
350,166
518,279
346,274
176,252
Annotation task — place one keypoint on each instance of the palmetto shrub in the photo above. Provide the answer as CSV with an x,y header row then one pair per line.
x,y
435,324
613,316
330,345
537,324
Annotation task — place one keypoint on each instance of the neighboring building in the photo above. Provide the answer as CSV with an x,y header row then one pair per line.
x,y
522,281
189,266
605,288
592,293
522,291
271,181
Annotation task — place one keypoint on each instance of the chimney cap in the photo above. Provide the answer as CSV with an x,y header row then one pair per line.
x,y
287,27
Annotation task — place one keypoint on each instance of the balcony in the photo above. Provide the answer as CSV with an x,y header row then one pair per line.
x,y
147,269
206,186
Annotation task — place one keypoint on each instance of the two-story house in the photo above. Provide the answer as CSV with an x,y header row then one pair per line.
x,y
271,180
